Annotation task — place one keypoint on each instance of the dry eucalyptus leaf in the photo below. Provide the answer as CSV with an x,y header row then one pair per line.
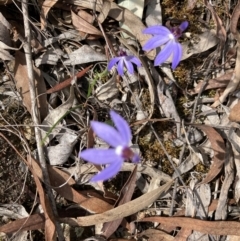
x,y
204,194
195,235
4,46
202,198
105,10
20,236
69,34
83,25
232,238
206,40
126,209
51,56
35,221
192,160
141,115
5,26
87,17
155,234
229,174
107,90
22,84
233,136
83,55
183,234
235,113
189,206
13,211
5,40
237,176
194,136
53,118
233,84
4,22
143,71
212,117
219,82
153,13
167,106
208,227
136,7
219,149
237,184
46,6
206,149
4,55
60,153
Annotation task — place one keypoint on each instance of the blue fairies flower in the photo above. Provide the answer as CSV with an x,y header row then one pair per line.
x,y
119,139
169,38
124,60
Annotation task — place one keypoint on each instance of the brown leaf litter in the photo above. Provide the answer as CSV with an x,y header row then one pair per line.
x,y
184,122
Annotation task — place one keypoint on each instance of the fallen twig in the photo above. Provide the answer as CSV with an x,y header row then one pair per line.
x,y
35,115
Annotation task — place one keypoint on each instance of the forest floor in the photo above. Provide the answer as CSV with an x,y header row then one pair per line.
x,y
55,80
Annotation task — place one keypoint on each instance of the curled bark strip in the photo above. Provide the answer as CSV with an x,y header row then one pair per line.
x,y
233,84
235,17
221,32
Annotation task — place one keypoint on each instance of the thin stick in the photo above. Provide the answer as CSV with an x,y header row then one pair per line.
x,y
35,116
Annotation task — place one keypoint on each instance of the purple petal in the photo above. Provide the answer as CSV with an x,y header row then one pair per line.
x,y
100,156
177,55
134,60
112,62
155,42
108,172
122,127
164,54
120,67
129,66
135,158
157,30
183,26
107,133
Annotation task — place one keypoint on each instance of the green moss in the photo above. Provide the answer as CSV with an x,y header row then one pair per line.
x,y
201,168
210,93
145,100
181,73
182,111
153,152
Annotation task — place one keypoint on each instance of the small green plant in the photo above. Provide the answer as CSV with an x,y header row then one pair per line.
x,y
96,77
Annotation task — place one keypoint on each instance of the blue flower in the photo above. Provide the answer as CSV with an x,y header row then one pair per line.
x,y
119,139
169,37
122,60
